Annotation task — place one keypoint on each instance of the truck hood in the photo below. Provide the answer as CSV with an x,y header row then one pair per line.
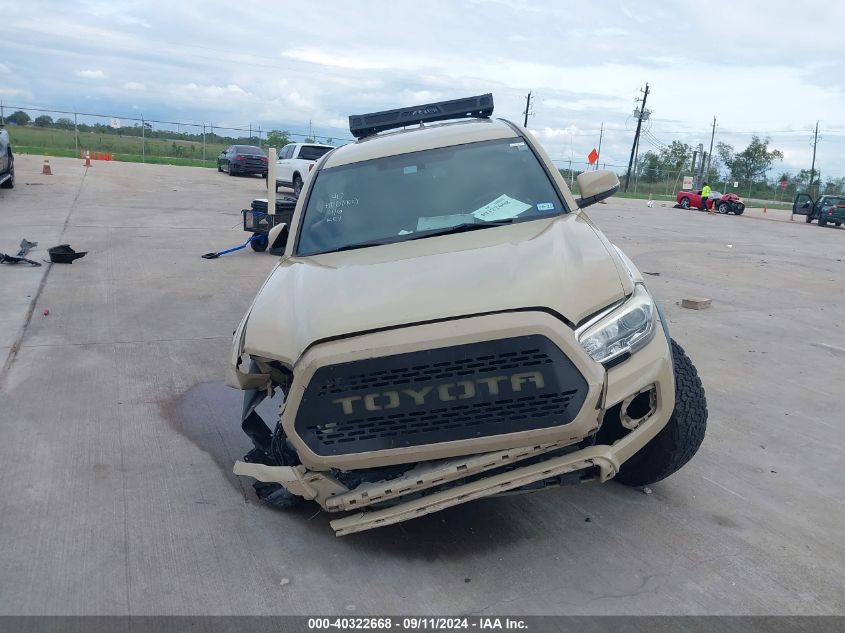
x,y
562,264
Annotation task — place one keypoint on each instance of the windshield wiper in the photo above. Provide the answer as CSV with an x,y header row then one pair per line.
x,y
461,228
457,228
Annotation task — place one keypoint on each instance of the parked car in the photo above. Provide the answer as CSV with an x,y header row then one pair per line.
x,y
243,159
826,209
295,162
7,161
724,203
447,324
692,199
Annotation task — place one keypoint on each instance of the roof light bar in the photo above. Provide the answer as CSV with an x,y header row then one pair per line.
x,y
362,125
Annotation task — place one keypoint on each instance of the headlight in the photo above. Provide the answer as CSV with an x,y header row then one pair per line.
x,y
626,329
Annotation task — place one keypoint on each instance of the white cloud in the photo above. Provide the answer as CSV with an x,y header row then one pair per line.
x,y
90,74
584,64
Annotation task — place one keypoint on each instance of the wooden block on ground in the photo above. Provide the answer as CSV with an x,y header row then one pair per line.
x,y
695,303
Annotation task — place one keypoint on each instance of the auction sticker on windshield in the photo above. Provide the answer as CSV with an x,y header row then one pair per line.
x,y
502,208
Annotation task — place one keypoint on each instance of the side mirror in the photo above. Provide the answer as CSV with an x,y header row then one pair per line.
x,y
596,186
277,239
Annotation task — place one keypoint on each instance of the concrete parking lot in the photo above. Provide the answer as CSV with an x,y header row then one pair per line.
x,y
117,435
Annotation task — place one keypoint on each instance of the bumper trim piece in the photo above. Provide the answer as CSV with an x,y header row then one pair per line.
x,y
601,456
608,459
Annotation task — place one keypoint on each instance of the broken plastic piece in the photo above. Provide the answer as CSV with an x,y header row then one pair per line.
x,y
64,254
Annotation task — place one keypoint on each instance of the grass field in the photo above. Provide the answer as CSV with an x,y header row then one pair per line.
x,y
55,142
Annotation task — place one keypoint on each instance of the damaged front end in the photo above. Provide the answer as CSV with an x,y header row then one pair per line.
x,y
393,425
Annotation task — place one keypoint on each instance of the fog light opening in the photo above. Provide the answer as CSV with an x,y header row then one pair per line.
x,y
638,408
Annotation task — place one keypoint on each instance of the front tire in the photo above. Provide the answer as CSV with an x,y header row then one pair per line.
x,y
723,208
822,221
678,441
10,183
809,218
297,186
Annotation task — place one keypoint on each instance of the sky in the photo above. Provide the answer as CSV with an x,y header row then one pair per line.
x,y
768,68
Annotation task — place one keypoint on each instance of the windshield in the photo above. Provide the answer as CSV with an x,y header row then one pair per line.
x,y
313,152
249,149
412,196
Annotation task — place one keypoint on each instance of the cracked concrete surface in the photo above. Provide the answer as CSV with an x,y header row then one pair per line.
x,y
117,436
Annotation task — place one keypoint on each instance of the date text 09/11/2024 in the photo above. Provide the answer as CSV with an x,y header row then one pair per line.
x,y
417,623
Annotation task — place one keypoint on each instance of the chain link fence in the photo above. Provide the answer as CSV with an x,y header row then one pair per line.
x,y
134,139
67,133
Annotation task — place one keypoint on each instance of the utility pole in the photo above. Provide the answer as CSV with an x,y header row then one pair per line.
x,y
601,133
813,166
710,154
527,110
636,137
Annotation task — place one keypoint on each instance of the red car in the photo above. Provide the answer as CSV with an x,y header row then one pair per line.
x,y
727,203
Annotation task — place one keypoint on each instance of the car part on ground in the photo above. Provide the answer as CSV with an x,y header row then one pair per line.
x,y
20,258
446,323
64,254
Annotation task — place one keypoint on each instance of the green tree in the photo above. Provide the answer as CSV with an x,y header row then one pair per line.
x,y
64,124
43,121
834,187
751,164
278,138
18,118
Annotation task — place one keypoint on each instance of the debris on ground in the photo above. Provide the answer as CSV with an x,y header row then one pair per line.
x,y
646,490
696,303
645,272
46,312
20,258
64,254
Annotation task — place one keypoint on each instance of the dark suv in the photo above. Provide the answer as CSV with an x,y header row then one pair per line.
x,y
7,161
827,209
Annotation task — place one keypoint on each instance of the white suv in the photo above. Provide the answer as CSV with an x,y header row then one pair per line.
x,y
295,162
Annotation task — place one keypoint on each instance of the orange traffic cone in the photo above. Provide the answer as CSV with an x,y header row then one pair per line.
x,y
87,158
45,170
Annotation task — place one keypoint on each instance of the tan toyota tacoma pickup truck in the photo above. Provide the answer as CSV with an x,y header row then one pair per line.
x,y
446,323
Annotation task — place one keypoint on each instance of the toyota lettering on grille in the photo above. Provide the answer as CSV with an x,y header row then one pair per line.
x,y
442,392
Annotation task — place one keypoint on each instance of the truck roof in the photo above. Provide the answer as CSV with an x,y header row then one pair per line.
x,y
419,138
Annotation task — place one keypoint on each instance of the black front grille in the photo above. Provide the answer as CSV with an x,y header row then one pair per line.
x,y
440,395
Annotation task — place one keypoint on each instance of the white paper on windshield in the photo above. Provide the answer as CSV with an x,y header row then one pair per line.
x,y
443,221
502,208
